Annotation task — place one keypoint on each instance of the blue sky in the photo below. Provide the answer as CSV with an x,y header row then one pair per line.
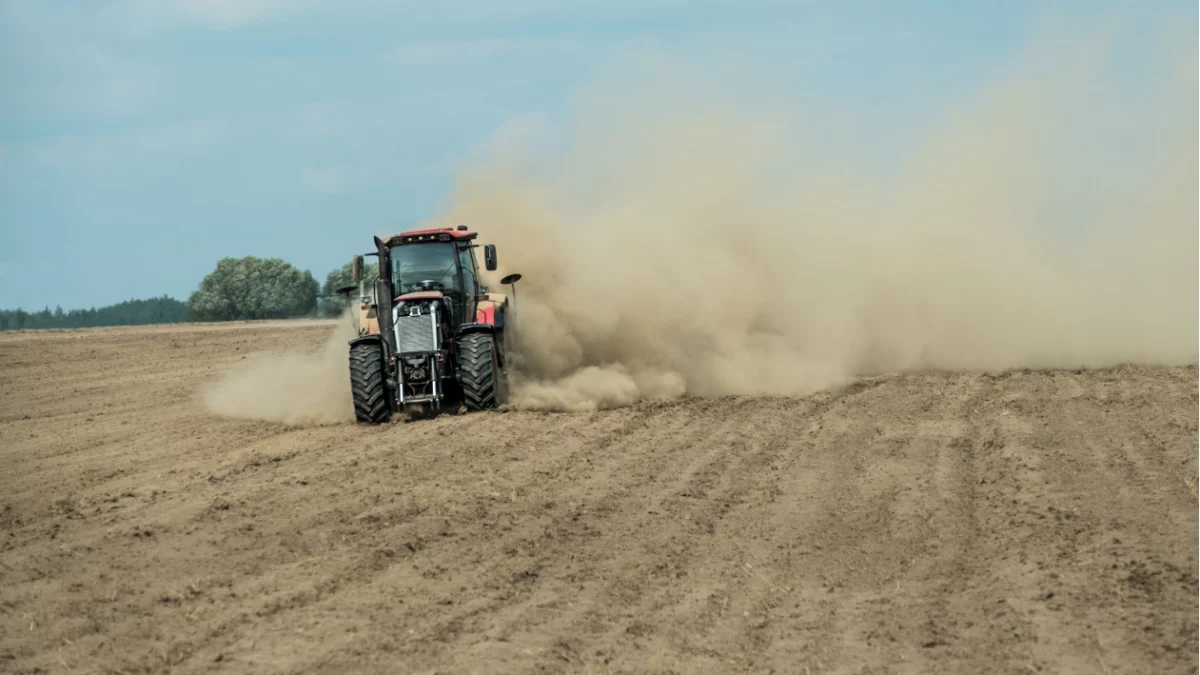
x,y
142,140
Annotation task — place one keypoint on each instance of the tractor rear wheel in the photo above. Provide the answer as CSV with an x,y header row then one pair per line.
x,y
483,384
367,386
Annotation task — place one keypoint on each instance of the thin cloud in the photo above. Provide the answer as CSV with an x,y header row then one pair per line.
x,y
173,140
234,13
329,181
59,77
151,15
443,52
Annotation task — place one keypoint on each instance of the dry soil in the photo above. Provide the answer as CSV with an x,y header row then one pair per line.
x,y
945,522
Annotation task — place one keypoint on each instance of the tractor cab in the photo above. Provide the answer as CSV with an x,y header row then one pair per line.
x,y
437,263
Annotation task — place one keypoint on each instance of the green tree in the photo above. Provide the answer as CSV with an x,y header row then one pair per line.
x,y
254,288
332,304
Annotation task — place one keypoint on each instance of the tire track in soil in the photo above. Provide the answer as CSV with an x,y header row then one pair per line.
x,y
421,535
590,499
853,484
1133,541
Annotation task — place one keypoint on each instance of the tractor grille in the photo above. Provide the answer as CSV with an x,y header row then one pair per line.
x,y
415,334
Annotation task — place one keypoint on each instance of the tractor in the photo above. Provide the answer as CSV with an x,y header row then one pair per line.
x,y
431,337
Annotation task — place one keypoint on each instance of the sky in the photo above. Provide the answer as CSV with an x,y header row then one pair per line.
x,y
143,140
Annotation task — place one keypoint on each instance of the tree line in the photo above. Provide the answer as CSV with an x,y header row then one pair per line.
x,y
239,289
128,313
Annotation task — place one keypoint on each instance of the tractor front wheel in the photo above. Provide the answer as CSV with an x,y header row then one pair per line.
x,y
483,384
367,386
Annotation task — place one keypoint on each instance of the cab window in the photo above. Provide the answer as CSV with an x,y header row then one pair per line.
x,y
466,262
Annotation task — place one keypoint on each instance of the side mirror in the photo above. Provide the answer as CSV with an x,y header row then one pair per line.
x,y
489,257
357,266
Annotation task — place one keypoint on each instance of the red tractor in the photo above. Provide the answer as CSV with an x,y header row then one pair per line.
x,y
431,337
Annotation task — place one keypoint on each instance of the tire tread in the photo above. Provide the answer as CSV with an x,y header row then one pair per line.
x,y
477,371
367,386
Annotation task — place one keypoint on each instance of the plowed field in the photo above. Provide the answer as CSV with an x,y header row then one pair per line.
x,y
945,522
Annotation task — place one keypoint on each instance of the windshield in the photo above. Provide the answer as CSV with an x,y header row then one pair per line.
x,y
414,263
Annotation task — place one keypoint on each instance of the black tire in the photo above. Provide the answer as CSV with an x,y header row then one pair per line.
x,y
367,385
484,386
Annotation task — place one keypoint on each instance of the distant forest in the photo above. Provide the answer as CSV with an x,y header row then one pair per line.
x,y
239,289
128,313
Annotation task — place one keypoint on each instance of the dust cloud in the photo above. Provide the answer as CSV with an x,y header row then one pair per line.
x,y
680,243
683,240
292,388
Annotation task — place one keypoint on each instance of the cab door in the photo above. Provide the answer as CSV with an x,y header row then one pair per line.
x,y
470,277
